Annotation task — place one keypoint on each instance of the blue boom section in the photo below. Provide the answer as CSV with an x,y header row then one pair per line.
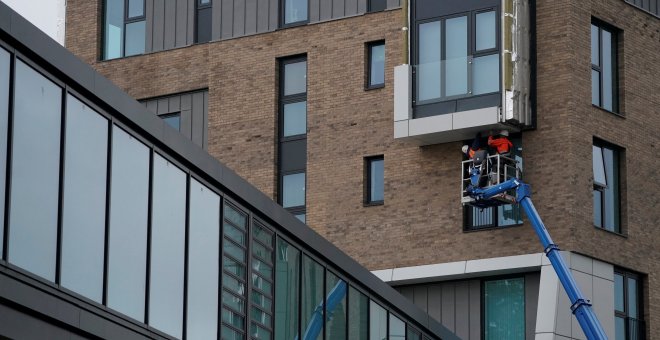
x,y
580,306
316,323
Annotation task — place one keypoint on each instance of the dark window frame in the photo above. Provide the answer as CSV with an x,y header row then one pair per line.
x,y
368,162
618,153
614,32
170,115
199,8
369,64
625,314
371,8
284,24
444,104
127,21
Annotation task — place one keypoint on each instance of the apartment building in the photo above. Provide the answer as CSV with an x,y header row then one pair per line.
x,y
351,114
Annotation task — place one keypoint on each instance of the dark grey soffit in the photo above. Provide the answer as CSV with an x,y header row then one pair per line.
x,y
30,41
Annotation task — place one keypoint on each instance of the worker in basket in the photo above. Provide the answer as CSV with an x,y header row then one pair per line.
x,y
501,145
479,158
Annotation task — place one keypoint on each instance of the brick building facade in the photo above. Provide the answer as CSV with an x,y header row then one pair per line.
x,y
421,221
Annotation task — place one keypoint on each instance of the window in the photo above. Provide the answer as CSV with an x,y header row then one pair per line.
x,y
168,226
628,323
234,273
262,282
397,329
358,309
377,5
203,262
604,92
295,12
376,69
458,62
336,324
312,293
129,207
124,28
293,135
35,172
375,180
4,127
606,191
496,217
173,120
377,322
287,289
504,309
203,20
83,220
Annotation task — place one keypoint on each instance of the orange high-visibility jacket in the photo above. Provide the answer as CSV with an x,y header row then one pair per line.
x,y
502,144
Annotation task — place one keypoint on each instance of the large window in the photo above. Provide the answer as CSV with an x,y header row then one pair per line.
x,y
293,135
124,28
628,324
376,65
83,221
129,206
377,322
458,63
335,309
376,5
168,225
312,295
203,21
358,312
295,12
606,191
262,282
375,180
35,172
504,309
287,289
604,92
234,272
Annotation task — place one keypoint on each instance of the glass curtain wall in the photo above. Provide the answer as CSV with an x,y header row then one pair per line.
x,y
287,289
262,282
234,272
358,313
504,309
335,310
312,296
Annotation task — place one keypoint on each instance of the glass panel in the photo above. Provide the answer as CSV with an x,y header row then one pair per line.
x,y
203,250
620,328
114,26
376,185
598,208
233,319
230,334
509,214
611,193
261,251
233,285
632,298
127,253
168,233
312,295
233,267
295,119
261,300
413,334
358,305
595,87
260,317
608,66
618,293
295,10
295,77
233,301
35,172
286,290
204,20
263,235
235,216
83,220
486,30
377,5
377,62
486,74
598,166
234,233
456,42
259,332
595,56
173,120
335,314
135,35
293,190
377,322
135,8
301,217
234,251
397,328
261,284
4,105
429,73
504,314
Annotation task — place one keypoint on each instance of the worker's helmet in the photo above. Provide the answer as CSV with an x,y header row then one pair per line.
x,y
465,149
504,133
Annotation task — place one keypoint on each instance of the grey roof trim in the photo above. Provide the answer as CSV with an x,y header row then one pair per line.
x,y
35,44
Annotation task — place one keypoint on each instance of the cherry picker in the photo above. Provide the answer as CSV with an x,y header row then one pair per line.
x,y
496,180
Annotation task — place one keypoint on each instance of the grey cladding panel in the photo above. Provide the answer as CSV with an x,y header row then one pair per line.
x,y
326,10
149,14
448,306
193,108
420,297
181,30
239,18
158,25
351,7
462,310
475,310
274,12
251,13
262,15
227,19
338,8
170,24
394,4
314,9
216,27
362,6
198,118
435,301
532,282
163,106
205,119
190,32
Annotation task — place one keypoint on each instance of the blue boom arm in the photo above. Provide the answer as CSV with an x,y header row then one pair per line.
x,y
579,305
